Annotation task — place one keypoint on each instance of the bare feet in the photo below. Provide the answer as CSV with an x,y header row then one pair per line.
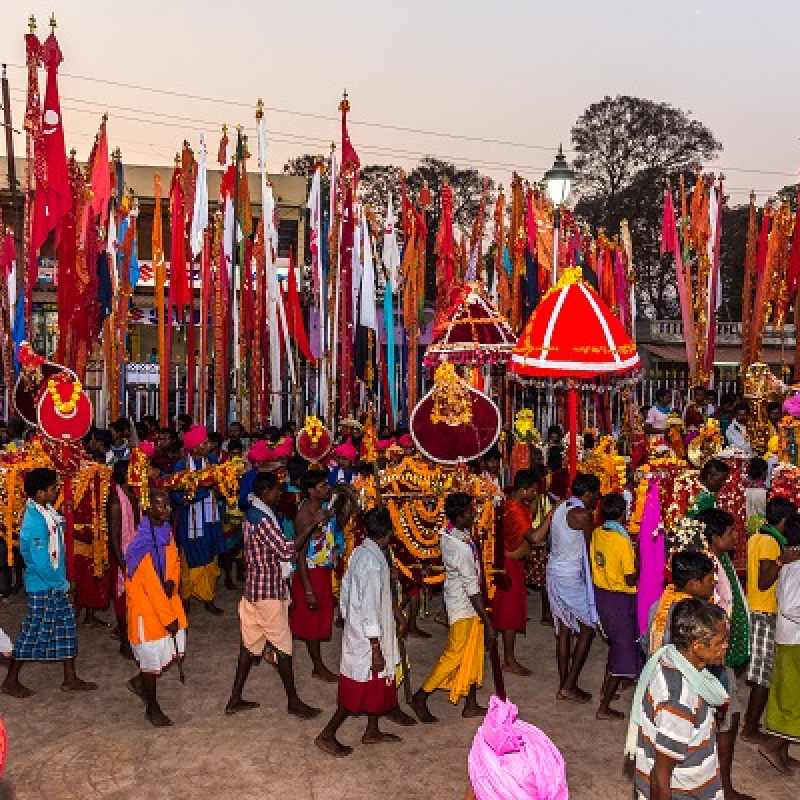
x,y
574,695
759,737
78,685
16,689
441,618
297,708
134,685
212,609
515,668
473,711
332,746
732,794
776,760
399,717
418,633
235,706
95,622
325,675
419,706
609,713
157,718
380,738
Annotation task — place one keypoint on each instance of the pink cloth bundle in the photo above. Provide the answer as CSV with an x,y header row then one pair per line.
x,y
791,405
511,759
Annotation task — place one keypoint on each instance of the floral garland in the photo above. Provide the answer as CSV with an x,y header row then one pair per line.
x,y
788,451
610,467
64,407
525,429
639,498
223,477
314,429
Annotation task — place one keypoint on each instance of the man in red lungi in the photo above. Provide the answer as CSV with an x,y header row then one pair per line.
x,y
510,609
370,654
311,616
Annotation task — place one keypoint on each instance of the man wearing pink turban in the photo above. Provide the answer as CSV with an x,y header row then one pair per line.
x,y
198,527
343,470
511,759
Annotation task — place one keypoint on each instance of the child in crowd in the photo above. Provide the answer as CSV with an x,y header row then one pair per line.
x,y
48,630
692,576
729,596
765,558
783,705
755,491
615,574
156,617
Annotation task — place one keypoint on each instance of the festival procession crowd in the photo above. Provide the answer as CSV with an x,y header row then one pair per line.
x,y
354,482
310,523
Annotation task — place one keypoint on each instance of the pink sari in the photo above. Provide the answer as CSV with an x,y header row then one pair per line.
x,y
126,534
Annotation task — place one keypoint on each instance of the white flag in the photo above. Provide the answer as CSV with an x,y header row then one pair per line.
x,y
367,316
391,252
200,215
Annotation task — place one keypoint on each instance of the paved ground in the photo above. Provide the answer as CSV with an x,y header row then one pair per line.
x,y
99,745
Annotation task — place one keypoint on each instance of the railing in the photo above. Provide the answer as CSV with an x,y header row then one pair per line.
x,y
659,331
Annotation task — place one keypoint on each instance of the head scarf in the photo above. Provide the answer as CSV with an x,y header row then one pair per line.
x,y
149,540
511,759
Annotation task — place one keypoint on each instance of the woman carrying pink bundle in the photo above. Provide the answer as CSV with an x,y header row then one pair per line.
x,y
511,759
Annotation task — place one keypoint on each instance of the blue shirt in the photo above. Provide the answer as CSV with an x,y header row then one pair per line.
x,y
34,544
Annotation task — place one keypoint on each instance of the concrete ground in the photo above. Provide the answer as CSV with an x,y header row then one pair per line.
x,y
99,744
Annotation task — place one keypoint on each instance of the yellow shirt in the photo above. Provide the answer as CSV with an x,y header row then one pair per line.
x,y
761,547
612,559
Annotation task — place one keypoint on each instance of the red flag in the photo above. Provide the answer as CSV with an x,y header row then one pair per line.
x,y
763,241
53,195
178,278
101,177
349,156
794,259
294,314
8,255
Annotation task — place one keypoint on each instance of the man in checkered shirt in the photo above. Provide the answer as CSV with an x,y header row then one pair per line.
x,y
264,609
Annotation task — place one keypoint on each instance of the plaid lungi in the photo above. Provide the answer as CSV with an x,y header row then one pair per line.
x,y
48,630
762,647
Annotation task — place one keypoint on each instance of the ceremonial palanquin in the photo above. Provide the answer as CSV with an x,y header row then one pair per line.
x,y
414,492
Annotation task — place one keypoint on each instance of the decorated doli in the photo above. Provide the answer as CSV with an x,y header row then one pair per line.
x,y
607,464
452,424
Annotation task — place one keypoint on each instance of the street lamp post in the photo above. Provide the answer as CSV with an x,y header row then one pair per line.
x,y
559,179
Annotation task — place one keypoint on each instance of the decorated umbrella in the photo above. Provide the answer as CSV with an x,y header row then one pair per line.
x,y
572,335
454,422
472,331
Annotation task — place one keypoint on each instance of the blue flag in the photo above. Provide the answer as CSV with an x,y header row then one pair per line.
x,y
18,328
388,323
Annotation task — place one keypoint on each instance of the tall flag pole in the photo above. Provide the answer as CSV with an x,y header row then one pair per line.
x,y
276,310
160,281
391,264
714,280
445,252
335,222
349,182
33,127
318,282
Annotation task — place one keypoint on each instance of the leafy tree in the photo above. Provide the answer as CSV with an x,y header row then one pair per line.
x,y
789,195
627,147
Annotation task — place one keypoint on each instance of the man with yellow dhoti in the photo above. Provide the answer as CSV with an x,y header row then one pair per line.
x,y
460,668
198,527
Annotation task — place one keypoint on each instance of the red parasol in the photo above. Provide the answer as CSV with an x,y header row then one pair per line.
x,y
472,331
572,334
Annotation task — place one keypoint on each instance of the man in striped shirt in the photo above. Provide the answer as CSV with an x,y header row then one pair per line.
x,y
264,609
676,747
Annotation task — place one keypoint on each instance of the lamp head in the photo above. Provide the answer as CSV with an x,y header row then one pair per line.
x,y
559,179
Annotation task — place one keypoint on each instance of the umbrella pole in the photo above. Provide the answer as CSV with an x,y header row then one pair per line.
x,y
572,411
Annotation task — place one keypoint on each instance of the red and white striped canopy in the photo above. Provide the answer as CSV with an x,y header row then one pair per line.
x,y
572,334
472,331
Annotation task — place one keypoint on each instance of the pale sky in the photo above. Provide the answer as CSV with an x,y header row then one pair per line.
x,y
515,71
